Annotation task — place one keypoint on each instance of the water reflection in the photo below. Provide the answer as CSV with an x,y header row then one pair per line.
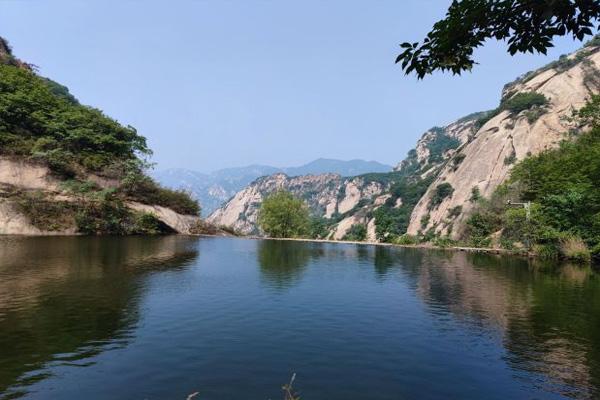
x,y
360,321
283,262
546,316
64,301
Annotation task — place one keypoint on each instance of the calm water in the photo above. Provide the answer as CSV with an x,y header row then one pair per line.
x,y
160,318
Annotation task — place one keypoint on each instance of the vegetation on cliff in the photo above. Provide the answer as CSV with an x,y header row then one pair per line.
x,y
42,122
563,192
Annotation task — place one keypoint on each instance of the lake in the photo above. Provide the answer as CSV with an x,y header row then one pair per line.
x,y
164,317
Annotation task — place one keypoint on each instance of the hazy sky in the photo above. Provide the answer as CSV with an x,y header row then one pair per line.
x,y
215,84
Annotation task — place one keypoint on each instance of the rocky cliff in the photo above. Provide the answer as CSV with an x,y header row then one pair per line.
x,y
485,158
433,188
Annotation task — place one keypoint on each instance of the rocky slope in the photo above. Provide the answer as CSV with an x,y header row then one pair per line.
x,y
484,161
19,177
214,189
432,189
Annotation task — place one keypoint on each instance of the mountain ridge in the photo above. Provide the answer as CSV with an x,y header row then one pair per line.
x,y
214,188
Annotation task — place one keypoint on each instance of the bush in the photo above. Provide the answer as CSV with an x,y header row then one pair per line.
x,y
357,232
144,189
519,102
574,248
457,160
406,239
46,214
475,194
443,241
442,191
455,211
440,143
523,101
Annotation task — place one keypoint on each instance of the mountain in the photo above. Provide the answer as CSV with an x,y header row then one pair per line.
x,y
215,188
66,168
434,191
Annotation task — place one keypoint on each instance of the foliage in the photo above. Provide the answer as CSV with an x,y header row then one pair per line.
x,y
45,214
475,194
441,143
357,233
521,101
441,192
457,160
319,228
406,240
574,248
562,187
525,25
284,216
392,221
455,211
137,186
38,118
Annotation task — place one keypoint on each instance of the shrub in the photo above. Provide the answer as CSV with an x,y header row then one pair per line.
x,y
442,191
475,194
457,160
357,232
548,251
425,220
455,211
140,187
574,248
440,143
443,241
46,214
523,101
406,239
519,102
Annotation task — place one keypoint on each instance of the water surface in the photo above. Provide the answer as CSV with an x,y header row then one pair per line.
x,y
160,318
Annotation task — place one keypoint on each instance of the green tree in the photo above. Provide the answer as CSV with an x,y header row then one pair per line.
x,y
526,26
284,216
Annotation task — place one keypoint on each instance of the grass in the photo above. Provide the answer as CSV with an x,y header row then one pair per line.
x,y
574,248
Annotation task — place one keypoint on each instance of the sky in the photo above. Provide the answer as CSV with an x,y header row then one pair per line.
x,y
217,83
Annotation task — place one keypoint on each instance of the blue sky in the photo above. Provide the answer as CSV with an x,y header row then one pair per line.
x,y
216,84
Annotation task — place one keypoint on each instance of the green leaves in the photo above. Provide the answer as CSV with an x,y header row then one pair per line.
x,y
35,108
284,216
527,26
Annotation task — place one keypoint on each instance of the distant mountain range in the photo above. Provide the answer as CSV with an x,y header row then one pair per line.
x,y
214,188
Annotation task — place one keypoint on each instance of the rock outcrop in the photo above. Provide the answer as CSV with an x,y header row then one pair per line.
x,y
20,175
484,160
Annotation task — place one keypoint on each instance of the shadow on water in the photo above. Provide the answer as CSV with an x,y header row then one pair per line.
x,y
65,300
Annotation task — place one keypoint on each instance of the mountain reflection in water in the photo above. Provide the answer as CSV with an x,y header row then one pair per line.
x,y
163,317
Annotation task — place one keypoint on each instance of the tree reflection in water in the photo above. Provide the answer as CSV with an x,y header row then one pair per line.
x,y
65,301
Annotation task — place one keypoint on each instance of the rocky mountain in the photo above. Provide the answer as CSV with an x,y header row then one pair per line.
x,y
433,189
215,188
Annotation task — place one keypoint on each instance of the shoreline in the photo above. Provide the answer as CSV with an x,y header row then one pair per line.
x,y
486,250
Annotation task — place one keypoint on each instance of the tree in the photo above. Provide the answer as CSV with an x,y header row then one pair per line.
x,y
526,25
284,216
